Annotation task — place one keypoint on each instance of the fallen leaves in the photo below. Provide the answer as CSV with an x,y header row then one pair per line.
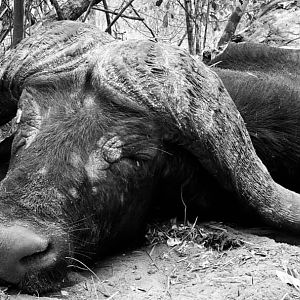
x,y
290,277
208,235
171,242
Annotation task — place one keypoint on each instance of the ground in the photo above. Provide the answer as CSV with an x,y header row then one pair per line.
x,y
206,261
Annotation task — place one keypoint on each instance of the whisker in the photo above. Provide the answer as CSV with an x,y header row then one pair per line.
x,y
77,267
84,265
80,220
161,150
78,229
83,255
78,241
86,268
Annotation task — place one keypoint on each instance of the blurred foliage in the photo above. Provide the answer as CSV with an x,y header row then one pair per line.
x,y
167,19
35,10
164,20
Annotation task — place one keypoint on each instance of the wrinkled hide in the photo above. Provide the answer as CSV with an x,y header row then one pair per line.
x,y
104,128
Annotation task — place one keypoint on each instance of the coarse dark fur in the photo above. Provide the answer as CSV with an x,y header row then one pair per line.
x,y
264,83
71,128
149,166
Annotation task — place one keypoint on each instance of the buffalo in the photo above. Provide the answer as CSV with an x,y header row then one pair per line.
x,y
264,85
104,128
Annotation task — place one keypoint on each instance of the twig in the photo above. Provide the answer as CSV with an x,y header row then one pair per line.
x,y
59,12
106,294
268,7
107,16
292,40
151,252
95,289
115,13
4,33
151,31
185,208
116,293
88,10
168,286
182,39
118,16
284,296
152,260
3,12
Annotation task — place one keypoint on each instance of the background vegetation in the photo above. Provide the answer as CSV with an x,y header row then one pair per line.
x,y
197,25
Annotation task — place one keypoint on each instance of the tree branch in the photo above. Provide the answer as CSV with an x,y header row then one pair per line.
x,y
182,39
88,10
115,13
4,33
267,8
107,16
59,12
233,22
72,9
118,16
151,31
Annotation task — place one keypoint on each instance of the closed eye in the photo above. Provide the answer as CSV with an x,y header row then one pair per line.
x,y
18,143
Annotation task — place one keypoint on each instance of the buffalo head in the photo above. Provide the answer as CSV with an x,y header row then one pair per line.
x,y
97,121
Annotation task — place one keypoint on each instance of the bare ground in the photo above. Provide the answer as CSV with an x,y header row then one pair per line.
x,y
191,262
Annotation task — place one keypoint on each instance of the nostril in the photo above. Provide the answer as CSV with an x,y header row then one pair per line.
x,y
21,249
38,255
22,242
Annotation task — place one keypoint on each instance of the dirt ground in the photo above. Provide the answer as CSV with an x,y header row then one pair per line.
x,y
177,265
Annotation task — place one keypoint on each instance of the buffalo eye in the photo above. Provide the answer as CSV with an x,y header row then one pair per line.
x,y
18,144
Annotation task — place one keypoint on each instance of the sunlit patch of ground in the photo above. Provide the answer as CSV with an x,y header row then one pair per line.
x,y
192,261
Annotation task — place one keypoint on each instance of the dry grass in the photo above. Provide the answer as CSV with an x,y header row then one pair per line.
x,y
210,236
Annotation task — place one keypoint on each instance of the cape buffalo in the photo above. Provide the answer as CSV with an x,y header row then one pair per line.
x,y
264,83
104,126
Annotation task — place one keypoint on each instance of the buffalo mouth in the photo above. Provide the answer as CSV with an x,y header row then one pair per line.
x,y
45,280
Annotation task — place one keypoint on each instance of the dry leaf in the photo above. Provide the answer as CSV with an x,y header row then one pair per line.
x,y
288,279
171,242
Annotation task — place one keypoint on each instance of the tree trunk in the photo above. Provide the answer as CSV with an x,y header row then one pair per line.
x,y
60,14
107,16
206,23
71,9
233,22
18,22
189,25
118,15
5,23
198,16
